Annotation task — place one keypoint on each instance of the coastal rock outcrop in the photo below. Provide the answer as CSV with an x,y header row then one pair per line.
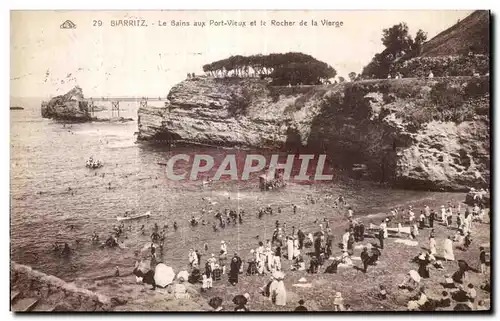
x,y
414,133
55,292
70,106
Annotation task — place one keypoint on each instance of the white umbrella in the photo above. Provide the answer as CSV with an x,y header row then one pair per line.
x,y
415,276
164,275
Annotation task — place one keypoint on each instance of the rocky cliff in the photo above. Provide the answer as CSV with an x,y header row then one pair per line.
x,y
70,106
414,133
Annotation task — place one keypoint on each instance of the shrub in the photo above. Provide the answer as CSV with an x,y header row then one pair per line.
x,y
240,103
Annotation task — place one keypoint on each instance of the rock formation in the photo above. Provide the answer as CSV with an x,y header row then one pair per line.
x,y
55,292
70,107
415,133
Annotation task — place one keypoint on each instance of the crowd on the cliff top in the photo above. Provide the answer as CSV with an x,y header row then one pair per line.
x,y
290,243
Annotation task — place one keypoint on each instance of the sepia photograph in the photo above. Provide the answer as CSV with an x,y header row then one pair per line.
x,y
297,161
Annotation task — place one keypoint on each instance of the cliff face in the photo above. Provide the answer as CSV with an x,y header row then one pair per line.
x,y
69,106
431,134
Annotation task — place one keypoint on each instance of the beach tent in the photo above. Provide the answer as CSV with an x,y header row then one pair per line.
x,y
164,275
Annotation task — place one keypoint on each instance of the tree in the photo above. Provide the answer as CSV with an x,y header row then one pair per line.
x,y
291,67
352,76
397,39
420,38
399,46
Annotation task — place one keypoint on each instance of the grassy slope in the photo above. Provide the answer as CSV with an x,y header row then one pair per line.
x,y
456,40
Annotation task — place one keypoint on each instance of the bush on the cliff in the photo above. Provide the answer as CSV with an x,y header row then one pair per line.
x,y
443,66
240,102
448,101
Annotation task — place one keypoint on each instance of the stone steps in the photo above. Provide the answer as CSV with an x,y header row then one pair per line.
x,y
24,305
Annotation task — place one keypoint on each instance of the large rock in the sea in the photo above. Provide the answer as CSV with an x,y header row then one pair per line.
x,y
415,133
70,106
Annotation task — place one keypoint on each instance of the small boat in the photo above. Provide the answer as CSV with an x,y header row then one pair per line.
x,y
93,164
135,217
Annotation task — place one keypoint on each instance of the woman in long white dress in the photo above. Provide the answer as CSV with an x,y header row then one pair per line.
x,y
277,291
269,255
296,250
383,226
432,246
448,250
289,245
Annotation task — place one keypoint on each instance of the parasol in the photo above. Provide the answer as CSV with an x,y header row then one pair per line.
x,y
164,275
415,276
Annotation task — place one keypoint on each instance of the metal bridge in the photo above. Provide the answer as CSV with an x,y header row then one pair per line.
x,y
115,102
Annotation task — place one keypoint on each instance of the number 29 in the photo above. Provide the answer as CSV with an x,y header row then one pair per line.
x,y
97,23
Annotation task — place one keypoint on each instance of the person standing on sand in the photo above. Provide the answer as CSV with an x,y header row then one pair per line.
x,y
289,245
432,245
381,238
234,271
277,258
277,291
383,227
365,258
432,217
448,250
223,247
345,239
482,259
301,237
269,255
443,214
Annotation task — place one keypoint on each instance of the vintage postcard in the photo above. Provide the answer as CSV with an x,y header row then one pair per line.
x,y
284,161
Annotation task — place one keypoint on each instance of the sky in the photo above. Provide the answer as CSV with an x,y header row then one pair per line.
x,y
107,60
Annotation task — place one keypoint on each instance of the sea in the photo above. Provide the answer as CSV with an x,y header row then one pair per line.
x,y
56,199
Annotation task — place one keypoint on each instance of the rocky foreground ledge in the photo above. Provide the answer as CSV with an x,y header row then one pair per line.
x,y
53,293
431,134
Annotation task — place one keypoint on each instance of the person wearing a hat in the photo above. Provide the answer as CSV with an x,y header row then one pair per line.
x,y
338,302
301,307
216,303
241,304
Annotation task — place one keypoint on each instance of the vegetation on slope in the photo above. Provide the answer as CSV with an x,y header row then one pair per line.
x,y
469,35
289,68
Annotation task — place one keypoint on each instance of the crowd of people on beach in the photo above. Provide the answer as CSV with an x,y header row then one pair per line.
x,y
314,252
